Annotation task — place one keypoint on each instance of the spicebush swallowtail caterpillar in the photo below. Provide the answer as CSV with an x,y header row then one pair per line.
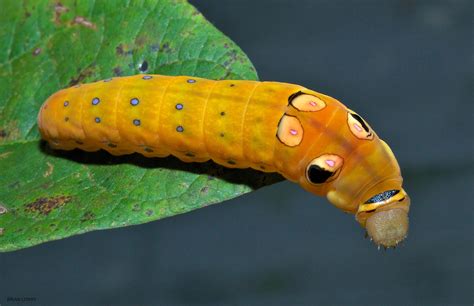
x,y
308,137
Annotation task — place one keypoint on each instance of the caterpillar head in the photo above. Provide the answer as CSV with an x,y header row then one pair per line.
x,y
359,174
387,224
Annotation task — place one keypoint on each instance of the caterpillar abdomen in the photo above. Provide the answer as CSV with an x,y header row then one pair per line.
x,y
308,137
192,118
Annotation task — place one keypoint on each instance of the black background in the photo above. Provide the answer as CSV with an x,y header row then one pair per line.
x,y
407,68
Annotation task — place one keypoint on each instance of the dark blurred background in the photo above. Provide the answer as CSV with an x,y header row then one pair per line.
x,y
408,68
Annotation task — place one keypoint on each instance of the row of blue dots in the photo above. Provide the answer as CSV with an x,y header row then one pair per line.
x,y
135,122
96,101
133,102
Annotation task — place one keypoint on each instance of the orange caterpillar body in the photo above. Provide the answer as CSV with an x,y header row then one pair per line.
x,y
308,137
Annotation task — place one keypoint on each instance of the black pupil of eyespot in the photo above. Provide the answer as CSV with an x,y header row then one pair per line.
x,y
382,196
318,175
361,121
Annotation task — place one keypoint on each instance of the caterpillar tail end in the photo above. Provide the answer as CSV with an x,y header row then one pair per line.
x,y
388,228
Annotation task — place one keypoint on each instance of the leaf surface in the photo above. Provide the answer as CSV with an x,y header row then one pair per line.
x,y
47,195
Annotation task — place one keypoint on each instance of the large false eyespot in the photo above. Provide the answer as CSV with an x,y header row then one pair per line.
x,y
306,103
324,168
290,131
359,127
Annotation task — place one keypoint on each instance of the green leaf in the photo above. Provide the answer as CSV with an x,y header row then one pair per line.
x,y
46,45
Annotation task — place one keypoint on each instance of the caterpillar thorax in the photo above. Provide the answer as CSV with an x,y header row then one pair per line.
x,y
308,137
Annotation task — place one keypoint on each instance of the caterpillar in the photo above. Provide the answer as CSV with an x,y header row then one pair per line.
x,y
308,137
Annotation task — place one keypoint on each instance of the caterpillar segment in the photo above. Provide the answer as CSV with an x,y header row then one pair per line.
x,y
308,137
